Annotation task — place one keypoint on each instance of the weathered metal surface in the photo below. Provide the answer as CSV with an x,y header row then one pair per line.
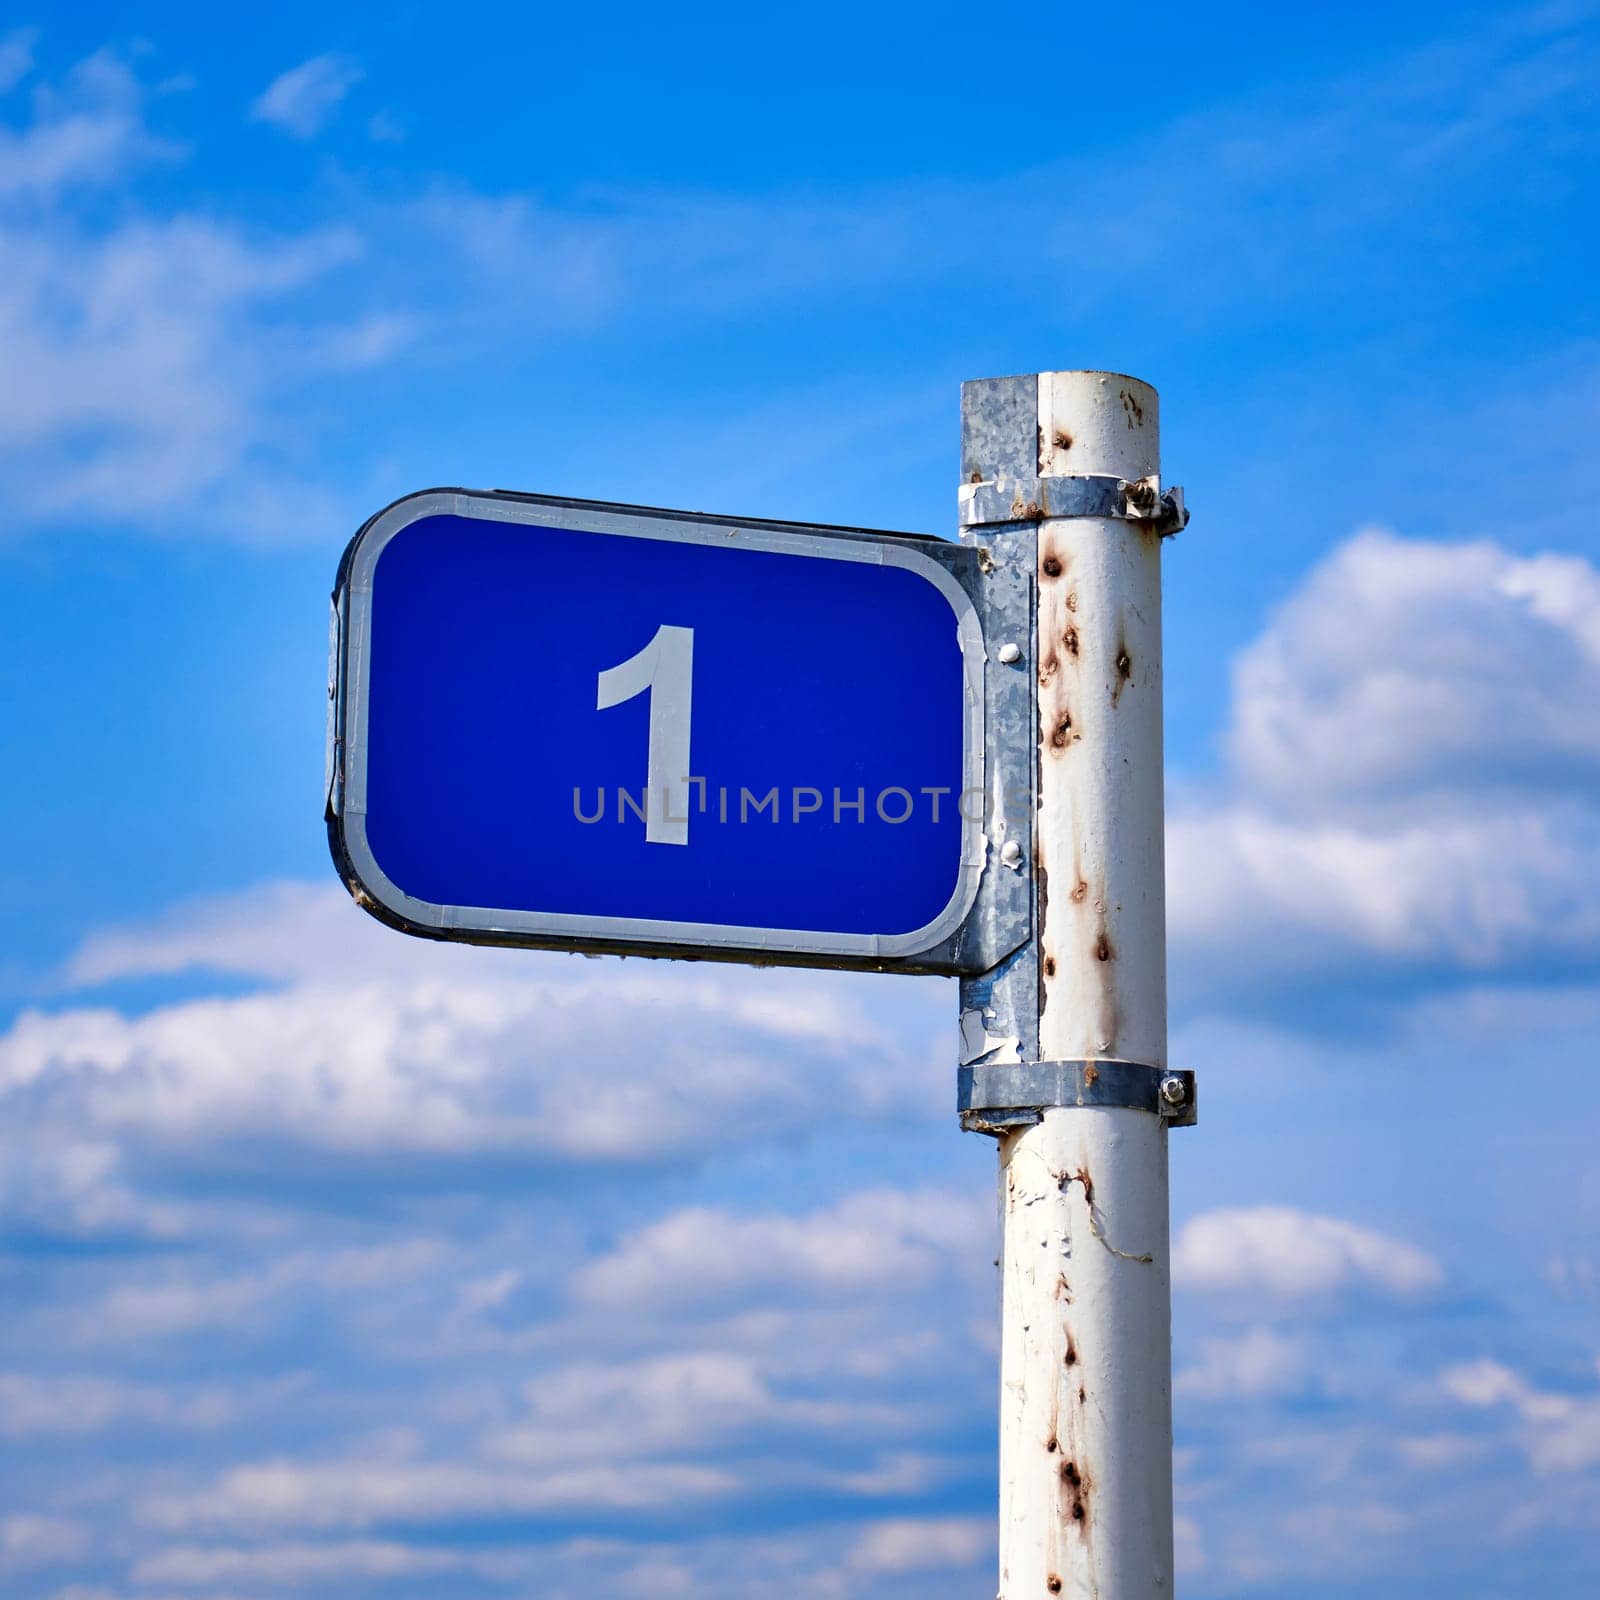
x,y
1008,500
998,421
1001,919
994,1098
999,1009
1085,1442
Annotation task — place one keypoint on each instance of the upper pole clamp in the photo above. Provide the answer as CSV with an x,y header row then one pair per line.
x,y
1141,500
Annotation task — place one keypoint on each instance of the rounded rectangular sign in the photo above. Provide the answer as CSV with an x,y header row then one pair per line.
x,y
594,727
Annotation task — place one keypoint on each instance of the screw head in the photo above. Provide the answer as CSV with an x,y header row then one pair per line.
x,y
1141,496
1174,1090
1010,653
1011,853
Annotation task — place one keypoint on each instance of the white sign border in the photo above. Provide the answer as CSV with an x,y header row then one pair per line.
x,y
632,934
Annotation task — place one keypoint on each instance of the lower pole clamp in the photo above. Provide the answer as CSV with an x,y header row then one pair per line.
x,y
1016,1094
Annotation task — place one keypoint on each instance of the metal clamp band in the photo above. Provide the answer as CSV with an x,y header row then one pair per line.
x,y
994,1099
1045,499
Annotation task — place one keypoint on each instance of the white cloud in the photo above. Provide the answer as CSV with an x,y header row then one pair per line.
x,y
848,1562
310,937
1189,1554
921,1544
190,1566
146,353
1400,667
1256,1364
1279,1254
1574,1276
743,1397
142,366
16,57
272,931
373,1043
872,1242
27,1540
364,1490
1414,759
674,1404
301,100
1558,1432
87,131
1441,1452
660,1404
34,1405
1472,893
368,342
1325,1539
178,1300
440,1068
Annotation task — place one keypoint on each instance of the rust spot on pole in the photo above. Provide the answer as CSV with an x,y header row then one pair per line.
x,y
1070,640
1124,670
1049,966
1050,567
1077,1491
1102,948
1041,896
1061,734
1063,439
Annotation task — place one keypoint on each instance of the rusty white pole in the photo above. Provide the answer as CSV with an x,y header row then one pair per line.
x,y
1085,1407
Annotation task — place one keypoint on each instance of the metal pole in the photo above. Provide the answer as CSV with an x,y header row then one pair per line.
x,y
1059,481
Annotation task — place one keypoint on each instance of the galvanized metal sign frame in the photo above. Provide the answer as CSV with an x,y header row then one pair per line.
x,y
989,911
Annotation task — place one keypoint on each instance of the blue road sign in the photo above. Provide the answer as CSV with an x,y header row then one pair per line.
x,y
579,726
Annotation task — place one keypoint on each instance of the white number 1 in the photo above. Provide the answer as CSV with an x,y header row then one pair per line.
x,y
666,668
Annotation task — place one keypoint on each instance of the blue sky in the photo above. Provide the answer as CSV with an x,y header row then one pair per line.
x,y
315,1282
